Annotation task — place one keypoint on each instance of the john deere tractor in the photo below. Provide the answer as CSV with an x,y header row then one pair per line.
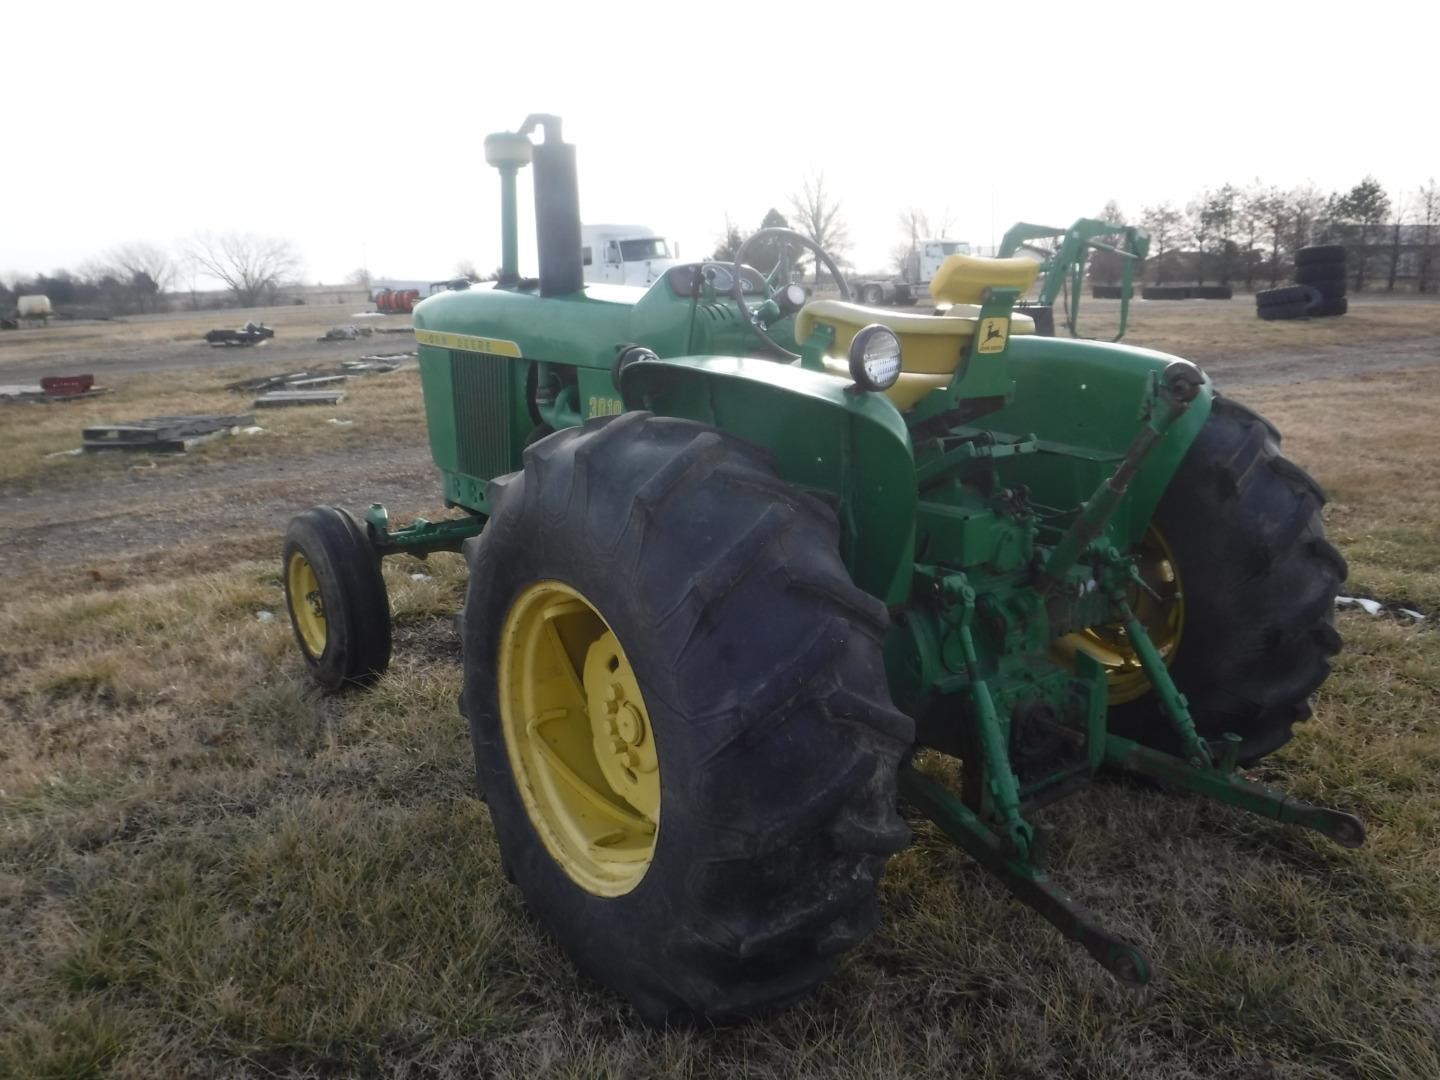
x,y
747,569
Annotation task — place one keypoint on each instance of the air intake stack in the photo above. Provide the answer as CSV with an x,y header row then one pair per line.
x,y
557,204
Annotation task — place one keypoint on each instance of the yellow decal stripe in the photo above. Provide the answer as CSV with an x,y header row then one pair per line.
x,y
467,343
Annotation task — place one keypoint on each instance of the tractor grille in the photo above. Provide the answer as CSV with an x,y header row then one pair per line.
x,y
482,418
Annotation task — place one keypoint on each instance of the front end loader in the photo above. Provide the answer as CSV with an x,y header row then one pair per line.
x,y
747,568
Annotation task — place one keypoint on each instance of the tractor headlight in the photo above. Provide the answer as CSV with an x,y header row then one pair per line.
x,y
875,357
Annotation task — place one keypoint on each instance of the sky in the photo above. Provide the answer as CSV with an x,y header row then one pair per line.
x,y
355,130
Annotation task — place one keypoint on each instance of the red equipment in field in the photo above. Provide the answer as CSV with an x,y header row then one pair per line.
x,y
397,301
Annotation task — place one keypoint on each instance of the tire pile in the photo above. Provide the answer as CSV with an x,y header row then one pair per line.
x,y
1187,292
1319,288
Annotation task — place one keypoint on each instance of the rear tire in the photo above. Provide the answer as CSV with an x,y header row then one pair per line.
x,y
873,295
1287,295
1296,310
760,666
336,598
1259,582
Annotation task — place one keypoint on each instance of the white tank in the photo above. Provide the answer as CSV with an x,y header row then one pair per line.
x,y
34,307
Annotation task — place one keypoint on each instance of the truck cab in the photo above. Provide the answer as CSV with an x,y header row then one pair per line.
x,y
923,263
625,254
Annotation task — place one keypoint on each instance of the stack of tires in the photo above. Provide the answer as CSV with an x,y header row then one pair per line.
x,y
1319,288
1323,269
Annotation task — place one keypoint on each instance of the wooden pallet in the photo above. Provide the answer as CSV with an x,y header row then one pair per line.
x,y
162,434
279,398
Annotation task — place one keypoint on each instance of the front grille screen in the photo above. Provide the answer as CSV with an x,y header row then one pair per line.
x,y
482,412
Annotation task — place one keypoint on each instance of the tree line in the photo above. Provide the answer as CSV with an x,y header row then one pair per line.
x,y
1229,235
1248,235
139,277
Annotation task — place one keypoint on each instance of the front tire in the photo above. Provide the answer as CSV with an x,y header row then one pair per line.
x,y
765,711
336,598
1258,582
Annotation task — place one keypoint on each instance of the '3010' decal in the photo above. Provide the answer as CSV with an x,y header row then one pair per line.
x,y
605,406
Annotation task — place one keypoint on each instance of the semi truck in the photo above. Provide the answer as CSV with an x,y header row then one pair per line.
x,y
625,254
914,277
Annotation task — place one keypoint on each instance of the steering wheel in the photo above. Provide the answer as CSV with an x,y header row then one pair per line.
x,y
737,290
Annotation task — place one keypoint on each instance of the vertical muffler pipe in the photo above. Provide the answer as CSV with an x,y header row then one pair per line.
x,y
557,209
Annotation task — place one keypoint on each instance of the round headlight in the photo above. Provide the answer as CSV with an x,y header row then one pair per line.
x,y
875,357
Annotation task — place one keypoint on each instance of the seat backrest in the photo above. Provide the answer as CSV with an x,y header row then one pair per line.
x,y
963,279
929,344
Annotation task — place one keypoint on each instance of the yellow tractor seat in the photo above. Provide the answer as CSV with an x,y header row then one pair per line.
x,y
930,345
963,279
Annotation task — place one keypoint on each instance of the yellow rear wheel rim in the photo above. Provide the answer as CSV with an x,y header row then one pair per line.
x,y
307,607
1163,620
579,739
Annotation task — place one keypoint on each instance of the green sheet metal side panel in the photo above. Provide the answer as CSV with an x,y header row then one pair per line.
x,y
1085,397
854,447
581,328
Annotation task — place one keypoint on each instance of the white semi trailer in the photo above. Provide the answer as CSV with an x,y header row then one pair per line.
x,y
914,278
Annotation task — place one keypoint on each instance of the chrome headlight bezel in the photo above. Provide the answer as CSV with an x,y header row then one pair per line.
x,y
875,363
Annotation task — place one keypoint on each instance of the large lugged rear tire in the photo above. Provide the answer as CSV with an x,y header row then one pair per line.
x,y
1258,581
765,710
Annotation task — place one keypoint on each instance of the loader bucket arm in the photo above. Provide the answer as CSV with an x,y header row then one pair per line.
x,y
1064,263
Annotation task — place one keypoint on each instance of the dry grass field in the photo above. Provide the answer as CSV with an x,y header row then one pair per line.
x,y
208,870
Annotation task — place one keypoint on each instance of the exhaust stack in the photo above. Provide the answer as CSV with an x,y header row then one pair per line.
x,y
557,209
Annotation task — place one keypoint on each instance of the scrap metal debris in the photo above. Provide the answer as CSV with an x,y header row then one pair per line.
x,y
313,378
1375,607
162,434
249,334
275,399
53,388
345,333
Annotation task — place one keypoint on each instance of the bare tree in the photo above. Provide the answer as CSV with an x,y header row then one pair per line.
x,y
360,276
1166,227
1397,225
466,268
1307,208
1107,268
1429,200
1363,208
252,267
729,242
817,215
1252,221
147,272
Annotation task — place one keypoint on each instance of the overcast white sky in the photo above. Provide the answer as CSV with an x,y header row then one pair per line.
x,y
355,129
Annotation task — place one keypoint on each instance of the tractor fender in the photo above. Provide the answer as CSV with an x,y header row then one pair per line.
x,y
850,448
1083,400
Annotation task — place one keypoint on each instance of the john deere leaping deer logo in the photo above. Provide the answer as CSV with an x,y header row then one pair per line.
x,y
993,333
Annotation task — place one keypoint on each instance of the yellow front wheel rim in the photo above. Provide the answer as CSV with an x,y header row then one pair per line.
x,y
579,739
1163,620
307,606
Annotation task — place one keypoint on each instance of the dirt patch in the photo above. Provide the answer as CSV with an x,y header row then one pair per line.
x,y
175,341
139,512
87,517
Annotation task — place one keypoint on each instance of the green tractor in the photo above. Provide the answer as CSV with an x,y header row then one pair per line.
x,y
743,565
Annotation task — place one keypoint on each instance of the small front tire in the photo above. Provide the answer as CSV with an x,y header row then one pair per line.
x,y
336,598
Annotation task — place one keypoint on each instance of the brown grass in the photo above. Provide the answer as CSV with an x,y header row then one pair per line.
x,y
85,342
1208,331
207,869
381,410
